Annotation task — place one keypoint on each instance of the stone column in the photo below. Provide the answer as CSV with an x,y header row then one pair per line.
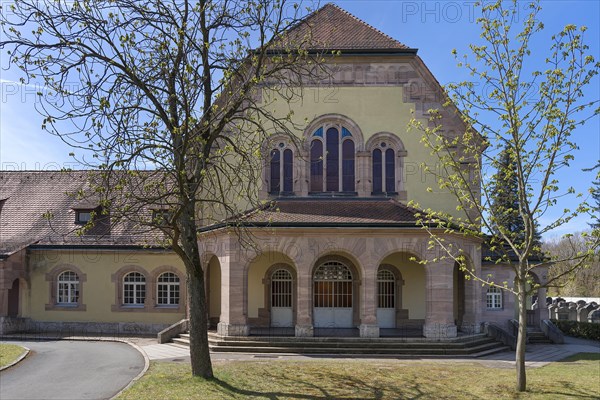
x,y
368,307
439,314
304,324
541,312
363,175
234,320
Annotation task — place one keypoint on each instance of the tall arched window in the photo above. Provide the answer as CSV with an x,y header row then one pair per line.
x,y
288,171
383,162
332,170
377,171
281,170
275,171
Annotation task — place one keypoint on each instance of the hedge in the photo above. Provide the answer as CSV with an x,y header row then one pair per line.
x,y
584,330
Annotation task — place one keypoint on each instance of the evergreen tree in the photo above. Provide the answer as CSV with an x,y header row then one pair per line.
x,y
505,201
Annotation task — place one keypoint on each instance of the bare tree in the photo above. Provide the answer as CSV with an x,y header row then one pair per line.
x,y
168,97
565,250
527,120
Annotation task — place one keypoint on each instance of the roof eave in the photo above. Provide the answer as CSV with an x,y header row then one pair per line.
x,y
355,52
211,228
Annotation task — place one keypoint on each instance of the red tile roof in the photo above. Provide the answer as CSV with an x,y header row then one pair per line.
x,y
38,207
333,28
332,212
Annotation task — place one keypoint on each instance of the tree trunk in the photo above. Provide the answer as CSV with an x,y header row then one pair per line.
x,y
522,335
199,352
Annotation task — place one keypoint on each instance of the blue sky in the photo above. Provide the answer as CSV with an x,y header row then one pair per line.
x,y
434,27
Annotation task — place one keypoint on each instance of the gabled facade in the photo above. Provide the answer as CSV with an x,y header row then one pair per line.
x,y
337,248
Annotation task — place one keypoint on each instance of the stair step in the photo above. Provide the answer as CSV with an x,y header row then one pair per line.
x,y
468,346
489,352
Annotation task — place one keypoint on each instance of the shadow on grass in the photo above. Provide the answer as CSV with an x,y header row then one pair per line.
x,y
360,389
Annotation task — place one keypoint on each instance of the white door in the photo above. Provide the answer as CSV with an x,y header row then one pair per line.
x,y
281,299
332,296
386,299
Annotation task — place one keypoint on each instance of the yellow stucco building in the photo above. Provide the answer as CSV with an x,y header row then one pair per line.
x,y
337,246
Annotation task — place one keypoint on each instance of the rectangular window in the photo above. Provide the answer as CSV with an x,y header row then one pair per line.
x,y
83,217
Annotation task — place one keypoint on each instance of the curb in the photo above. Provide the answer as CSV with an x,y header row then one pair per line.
x,y
18,360
142,372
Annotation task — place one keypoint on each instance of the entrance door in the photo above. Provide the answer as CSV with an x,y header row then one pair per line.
x,y
386,299
281,299
13,299
333,296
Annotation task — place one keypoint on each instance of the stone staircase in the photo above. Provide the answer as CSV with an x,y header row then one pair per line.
x,y
478,345
537,337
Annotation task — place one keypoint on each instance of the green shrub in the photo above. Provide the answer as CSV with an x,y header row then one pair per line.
x,y
584,330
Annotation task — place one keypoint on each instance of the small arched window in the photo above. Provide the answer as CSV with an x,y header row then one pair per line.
x,y
67,288
281,168
383,162
275,171
494,298
134,289
167,289
332,160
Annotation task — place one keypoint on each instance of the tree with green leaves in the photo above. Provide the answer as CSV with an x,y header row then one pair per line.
x,y
595,193
167,96
521,131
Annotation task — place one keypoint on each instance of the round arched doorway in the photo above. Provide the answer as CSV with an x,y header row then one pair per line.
x,y
333,296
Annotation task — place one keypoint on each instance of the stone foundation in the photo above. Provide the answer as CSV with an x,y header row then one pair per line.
x,y
225,329
439,331
305,331
62,329
369,331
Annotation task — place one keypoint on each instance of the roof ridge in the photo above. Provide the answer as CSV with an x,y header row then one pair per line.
x,y
362,22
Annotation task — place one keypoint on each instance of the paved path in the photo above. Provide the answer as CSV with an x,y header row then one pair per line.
x,y
537,355
71,370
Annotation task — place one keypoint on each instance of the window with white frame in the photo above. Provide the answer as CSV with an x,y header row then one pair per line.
x,y
67,288
134,289
168,289
494,298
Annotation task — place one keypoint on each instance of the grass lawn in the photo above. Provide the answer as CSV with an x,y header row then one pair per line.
x,y
576,377
9,353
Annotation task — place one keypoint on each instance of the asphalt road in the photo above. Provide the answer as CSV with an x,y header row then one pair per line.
x,y
71,370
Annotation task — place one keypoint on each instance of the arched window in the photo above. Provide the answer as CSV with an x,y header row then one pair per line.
x,y
134,289
494,298
288,171
67,288
390,171
332,285
332,170
281,170
167,289
377,171
332,157
383,162
316,166
275,171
